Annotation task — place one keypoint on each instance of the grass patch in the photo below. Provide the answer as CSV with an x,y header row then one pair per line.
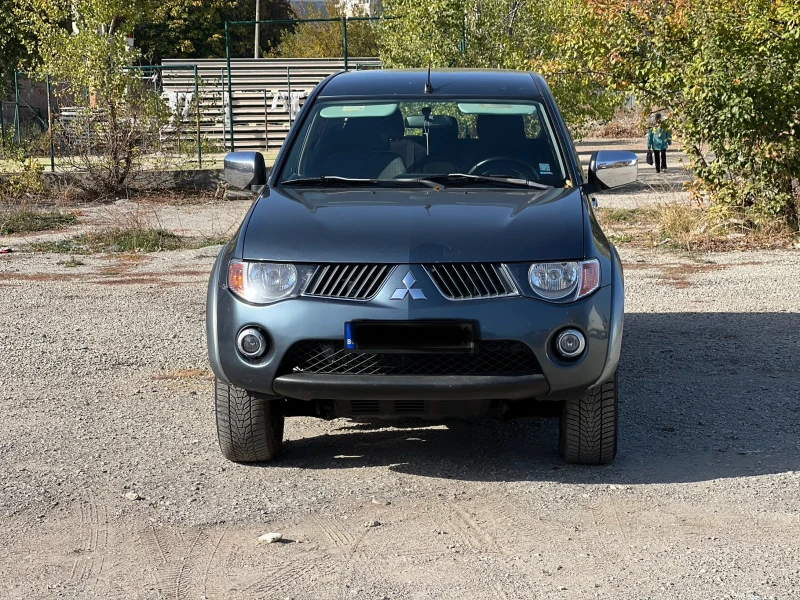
x,y
128,241
28,221
72,262
626,215
208,241
115,240
688,227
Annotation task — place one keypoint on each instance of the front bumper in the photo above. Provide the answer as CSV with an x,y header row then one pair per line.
x,y
530,321
311,386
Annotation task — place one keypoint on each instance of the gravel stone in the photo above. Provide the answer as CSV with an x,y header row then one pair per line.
x,y
76,437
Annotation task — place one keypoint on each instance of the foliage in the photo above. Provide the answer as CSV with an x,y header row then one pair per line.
x,y
730,75
12,46
509,34
24,174
115,117
27,221
192,29
323,40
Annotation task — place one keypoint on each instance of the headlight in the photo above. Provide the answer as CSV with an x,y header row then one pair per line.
x,y
262,282
557,281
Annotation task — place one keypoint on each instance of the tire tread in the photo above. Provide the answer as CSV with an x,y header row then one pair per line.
x,y
249,428
588,430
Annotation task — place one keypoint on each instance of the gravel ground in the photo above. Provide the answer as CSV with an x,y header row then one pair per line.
x,y
112,485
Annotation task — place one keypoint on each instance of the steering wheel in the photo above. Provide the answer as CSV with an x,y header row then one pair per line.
x,y
521,168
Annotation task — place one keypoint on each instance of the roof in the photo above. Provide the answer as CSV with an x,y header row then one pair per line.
x,y
445,82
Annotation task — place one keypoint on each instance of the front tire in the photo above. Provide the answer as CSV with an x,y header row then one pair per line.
x,y
588,428
249,427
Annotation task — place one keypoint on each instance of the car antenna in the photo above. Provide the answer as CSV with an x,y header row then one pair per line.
x,y
428,86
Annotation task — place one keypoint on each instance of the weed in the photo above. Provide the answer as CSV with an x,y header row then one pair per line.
x,y
27,221
72,262
115,240
204,242
60,247
685,226
625,215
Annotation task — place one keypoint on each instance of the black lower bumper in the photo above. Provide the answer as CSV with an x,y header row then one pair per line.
x,y
306,386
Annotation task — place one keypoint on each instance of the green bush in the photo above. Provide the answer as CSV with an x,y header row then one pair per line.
x,y
729,74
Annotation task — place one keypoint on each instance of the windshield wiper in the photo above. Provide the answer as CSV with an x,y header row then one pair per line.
x,y
452,178
329,180
335,180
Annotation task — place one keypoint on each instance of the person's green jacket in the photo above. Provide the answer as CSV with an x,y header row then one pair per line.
x,y
658,138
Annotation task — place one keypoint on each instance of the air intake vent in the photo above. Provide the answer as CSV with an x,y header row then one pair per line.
x,y
348,282
470,281
491,357
409,406
365,407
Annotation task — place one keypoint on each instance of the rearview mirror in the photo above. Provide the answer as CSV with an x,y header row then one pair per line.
x,y
418,121
612,168
245,170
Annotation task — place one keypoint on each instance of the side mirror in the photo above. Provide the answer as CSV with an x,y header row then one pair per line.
x,y
612,168
245,170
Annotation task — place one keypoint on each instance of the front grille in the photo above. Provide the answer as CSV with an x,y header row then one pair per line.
x,y
348,281
492,357
469,281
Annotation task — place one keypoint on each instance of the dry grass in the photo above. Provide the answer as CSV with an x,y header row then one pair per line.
x,y
28,221
686,226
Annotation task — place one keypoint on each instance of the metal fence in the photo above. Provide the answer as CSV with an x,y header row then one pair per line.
x,y
248,106
253,105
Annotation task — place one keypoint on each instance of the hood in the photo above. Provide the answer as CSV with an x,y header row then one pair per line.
x,y
402,226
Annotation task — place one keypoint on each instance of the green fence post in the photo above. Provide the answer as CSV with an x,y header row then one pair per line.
x,y
2,126
50,126
230,87
344,41
197,110
17,124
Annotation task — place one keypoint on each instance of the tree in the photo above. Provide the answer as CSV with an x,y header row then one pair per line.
x,y
508,34
192,29
13,50
117,117
323,40
729,73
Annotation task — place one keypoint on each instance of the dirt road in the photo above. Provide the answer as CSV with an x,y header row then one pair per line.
x,y
104,392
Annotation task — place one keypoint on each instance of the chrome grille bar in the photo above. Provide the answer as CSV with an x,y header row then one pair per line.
x,y
348,281
472,281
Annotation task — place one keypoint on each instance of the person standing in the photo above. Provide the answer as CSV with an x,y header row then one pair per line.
x,y
659,138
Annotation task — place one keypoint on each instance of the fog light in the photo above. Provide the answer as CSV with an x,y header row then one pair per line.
x,y
251,342
570,343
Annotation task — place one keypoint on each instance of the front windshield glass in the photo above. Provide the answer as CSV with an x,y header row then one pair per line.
x,y
421,138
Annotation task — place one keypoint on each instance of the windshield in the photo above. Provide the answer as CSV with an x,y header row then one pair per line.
x,y
422,139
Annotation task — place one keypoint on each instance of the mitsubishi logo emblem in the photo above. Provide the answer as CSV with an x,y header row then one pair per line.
x,y
408,282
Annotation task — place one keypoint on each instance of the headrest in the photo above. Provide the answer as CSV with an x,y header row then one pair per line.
x,y
395,125
366,133
500,128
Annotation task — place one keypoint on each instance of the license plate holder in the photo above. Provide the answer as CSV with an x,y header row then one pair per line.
x,y
410,337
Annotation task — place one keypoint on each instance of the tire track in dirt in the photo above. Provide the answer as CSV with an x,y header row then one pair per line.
x,y
214,550
334,533
473,529
281,579
182,561
93,541
608,529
